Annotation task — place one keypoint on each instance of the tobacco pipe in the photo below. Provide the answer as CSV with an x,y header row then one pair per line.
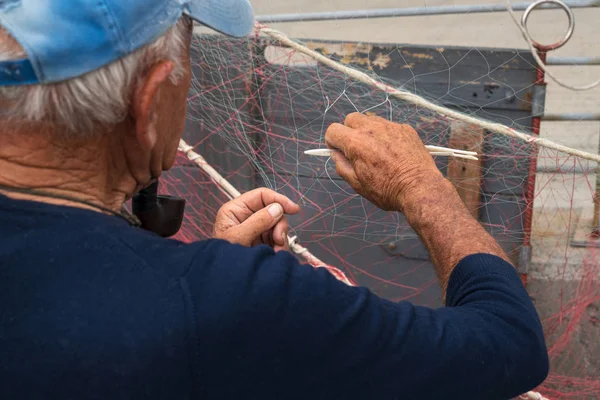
x,y
160,214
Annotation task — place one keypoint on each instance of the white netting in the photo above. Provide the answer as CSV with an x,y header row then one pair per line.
x,y
256,106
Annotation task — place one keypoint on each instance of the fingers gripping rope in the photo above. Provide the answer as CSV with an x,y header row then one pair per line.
x,y
231,192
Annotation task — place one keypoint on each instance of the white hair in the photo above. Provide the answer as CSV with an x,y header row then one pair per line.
x,y
99,98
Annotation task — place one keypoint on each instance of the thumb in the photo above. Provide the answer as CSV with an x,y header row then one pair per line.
x,y
258,223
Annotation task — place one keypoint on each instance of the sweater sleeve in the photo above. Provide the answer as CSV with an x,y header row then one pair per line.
x,y
293,326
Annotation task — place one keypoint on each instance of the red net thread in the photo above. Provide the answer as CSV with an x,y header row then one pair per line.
x,y
255,108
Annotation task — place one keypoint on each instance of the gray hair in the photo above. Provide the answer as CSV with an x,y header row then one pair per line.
x,y
99,98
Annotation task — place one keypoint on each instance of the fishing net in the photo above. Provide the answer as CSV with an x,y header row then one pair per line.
x,y
256,106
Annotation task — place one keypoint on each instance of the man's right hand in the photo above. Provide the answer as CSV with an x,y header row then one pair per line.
x,y
382,161
388,164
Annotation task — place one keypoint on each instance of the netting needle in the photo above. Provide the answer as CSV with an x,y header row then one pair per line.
x,y
433,150
456,151
319,152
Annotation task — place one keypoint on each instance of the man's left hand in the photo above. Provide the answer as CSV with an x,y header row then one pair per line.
x,y
256,217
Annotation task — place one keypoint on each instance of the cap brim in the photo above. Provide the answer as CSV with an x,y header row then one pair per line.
x,y
230,17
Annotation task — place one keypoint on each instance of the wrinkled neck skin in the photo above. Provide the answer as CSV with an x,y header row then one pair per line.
x,y
91,168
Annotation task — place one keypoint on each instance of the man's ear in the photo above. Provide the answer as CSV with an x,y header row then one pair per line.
x,y
145,101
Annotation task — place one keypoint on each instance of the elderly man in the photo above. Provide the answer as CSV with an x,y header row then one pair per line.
x,y
93,98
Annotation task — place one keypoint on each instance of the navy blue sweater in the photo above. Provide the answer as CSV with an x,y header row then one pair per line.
x,y
91,308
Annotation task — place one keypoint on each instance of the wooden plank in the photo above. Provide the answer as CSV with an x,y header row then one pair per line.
x,y
466,175
519,59
311,91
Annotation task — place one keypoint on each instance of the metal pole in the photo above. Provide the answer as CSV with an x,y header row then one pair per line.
x,y
411,12
568,169
539,98
596,220
573,61
572,117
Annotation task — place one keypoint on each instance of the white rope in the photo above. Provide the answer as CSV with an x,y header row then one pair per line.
x,y
421,102
232,193
217,178
537,58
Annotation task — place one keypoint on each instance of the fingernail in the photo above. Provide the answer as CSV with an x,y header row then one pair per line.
x,y
284,236
275,210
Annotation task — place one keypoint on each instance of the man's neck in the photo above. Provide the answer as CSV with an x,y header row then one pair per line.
x,y
75,169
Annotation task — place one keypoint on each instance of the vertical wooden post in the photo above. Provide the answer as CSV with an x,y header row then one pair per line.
x,y
466,175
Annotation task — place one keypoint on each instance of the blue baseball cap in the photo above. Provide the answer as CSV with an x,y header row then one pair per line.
x,y
64,39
